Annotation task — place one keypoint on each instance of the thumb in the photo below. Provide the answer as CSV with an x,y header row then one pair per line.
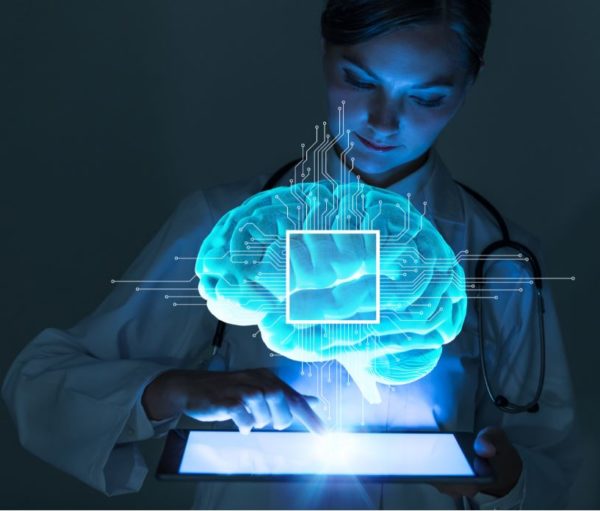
x,y
489,441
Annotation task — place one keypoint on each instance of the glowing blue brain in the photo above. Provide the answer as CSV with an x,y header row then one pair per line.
x,y
347,272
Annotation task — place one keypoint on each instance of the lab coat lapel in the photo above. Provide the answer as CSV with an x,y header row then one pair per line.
x,y
445,206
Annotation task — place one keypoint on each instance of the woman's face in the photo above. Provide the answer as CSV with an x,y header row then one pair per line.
x,y
400,91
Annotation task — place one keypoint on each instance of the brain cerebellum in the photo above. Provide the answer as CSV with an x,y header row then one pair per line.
x,y
304,264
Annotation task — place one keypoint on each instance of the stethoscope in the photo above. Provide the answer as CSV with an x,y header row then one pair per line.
x,y
501,401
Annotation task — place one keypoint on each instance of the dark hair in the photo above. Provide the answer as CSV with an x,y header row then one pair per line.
x,y
346,22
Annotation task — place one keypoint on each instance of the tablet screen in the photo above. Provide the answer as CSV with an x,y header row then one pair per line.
x,y
298,453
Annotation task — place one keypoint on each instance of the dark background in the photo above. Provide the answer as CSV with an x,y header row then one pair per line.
x,y
112,111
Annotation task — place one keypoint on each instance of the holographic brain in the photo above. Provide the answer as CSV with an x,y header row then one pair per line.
x,y
332,271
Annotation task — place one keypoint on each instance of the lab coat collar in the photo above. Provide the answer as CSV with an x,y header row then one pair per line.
x,y
442,193
431,183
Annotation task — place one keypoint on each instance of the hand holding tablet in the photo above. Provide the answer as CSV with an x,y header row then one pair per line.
x,y
257,398
493,446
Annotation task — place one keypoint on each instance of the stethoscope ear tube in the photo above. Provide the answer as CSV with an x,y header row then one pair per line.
x,y
501,401
527,257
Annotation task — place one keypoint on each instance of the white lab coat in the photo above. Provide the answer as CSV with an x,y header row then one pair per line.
x,y
75,394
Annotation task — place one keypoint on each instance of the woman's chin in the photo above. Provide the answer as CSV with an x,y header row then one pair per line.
x,y
399,159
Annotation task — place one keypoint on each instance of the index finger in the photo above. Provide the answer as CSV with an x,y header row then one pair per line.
x,y
297,403
305,414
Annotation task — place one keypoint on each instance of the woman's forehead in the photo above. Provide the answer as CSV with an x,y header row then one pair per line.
x,y
423,53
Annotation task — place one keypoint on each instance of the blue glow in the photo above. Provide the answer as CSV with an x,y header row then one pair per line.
x,y
272,453
382,305
332,276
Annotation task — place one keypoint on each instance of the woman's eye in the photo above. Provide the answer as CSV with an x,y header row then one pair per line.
x,y
356,82
428,102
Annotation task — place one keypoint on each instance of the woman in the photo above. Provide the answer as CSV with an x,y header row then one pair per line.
x,y
83,397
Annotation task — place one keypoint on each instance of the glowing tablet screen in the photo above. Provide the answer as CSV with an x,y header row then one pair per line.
x,y
274,453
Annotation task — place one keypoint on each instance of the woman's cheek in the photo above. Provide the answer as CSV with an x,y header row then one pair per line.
x,y
355,106
429,122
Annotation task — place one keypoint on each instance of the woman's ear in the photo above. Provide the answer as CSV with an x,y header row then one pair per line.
x,y
472,79
468,85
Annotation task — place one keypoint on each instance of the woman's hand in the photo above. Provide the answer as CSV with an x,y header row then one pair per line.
x,y
493,445
251,398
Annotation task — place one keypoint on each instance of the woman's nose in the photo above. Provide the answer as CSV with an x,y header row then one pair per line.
x,y
385,117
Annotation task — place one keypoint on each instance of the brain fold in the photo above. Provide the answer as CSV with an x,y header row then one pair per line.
x,y
346,272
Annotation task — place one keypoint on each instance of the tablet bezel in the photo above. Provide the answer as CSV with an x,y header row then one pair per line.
x,y
170,461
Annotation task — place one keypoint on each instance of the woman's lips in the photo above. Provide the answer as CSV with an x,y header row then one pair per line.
x,y
375,147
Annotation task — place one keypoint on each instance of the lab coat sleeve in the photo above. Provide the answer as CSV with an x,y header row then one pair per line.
x,y
546,440
140,427
75,394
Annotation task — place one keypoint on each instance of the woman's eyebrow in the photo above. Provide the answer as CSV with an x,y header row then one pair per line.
x,y
359,64
437,82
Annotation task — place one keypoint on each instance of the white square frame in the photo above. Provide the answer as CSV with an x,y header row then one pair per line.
x,y
290,321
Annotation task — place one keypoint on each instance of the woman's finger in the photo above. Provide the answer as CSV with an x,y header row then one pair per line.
x,y
281,415
306,415
311,400
489,441
285,404
254,400
241,417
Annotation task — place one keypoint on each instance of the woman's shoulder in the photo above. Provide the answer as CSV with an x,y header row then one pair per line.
x,y
485,229
198,212
217,199
468,220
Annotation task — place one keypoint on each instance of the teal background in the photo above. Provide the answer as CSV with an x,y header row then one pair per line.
x,y
112,112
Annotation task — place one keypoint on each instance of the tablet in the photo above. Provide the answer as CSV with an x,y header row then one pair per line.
x,y
291,455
